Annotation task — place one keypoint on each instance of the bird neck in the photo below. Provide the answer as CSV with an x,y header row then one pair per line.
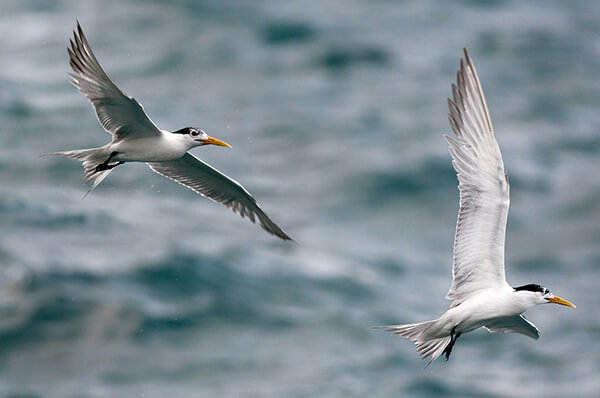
x,y
176,143
525,299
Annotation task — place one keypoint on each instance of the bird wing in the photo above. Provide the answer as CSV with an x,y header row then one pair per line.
x,y
513,324
478,260
207,181
119,114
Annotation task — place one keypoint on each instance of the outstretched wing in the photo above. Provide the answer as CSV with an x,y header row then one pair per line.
x,y
513,324
207,181
119,114
483,185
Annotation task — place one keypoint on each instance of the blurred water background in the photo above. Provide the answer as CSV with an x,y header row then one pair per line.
x,y
335,111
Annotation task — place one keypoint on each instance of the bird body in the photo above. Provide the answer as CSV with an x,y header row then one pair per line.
x,y
167,146
135,138
475,312
482,297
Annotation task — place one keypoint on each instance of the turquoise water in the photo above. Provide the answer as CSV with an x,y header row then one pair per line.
x,y
335,111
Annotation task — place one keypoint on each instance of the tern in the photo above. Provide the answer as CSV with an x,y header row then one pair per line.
x,y
481,295
135,138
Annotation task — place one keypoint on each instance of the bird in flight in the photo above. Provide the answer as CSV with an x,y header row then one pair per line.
x,y
135,138
481,295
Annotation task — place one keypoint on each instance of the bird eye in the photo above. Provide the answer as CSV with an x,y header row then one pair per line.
x,y
194,133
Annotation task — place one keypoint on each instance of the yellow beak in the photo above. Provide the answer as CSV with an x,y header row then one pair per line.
x,y
214,141
558,300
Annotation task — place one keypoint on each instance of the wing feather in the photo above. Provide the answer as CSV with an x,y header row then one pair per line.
x,y
513,324
478,260
207,181
119,114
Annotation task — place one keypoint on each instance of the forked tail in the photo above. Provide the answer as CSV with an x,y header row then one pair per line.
x,y
91,159
427,346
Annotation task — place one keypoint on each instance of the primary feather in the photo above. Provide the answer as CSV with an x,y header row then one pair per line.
x,y
210,182
119,114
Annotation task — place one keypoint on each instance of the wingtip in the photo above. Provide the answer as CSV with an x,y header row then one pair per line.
x,y
87,193
385,328
285,237
268,225
468,58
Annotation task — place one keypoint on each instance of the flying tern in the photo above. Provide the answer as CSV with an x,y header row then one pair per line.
x,y
135,138
481,295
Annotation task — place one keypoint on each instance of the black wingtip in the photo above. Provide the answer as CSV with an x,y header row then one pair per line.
x,y
77,29
283,236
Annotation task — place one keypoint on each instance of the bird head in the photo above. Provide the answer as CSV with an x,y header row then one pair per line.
x,y
195,137
535,294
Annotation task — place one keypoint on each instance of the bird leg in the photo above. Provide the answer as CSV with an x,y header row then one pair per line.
x,y
453,337
106,165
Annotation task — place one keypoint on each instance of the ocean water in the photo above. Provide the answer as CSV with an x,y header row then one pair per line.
x,y
335,111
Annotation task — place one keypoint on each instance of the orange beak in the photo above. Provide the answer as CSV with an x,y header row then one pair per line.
x,y
214,141
558,300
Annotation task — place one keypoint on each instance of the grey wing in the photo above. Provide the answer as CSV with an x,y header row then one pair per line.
x,y
119,114
478,260
513,324
207,181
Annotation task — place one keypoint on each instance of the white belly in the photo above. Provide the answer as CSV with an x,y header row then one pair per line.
x,y
151,149
476,312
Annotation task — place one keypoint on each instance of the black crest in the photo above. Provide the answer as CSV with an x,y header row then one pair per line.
x,y
185,130
532,287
